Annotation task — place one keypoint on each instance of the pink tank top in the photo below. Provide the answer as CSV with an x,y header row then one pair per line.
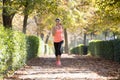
x,y
58,37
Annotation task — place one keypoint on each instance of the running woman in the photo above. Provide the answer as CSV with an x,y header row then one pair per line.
x,y
58,37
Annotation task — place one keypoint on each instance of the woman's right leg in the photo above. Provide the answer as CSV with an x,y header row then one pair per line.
x,y
57,53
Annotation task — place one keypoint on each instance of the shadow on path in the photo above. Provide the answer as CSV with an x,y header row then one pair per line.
x,y
73,68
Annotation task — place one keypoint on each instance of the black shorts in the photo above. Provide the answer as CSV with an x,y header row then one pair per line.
x,y
58,48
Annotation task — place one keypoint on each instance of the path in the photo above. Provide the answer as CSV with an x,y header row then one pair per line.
x,y
74,68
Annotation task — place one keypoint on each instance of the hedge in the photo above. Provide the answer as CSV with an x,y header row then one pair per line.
x,y
105,49
32,46
80,49
74,50
15,49
36,47
116,44
12,50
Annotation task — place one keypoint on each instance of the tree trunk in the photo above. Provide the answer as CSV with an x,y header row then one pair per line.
x,y
66,41
113,35
42,36
7,18
25,17
46,42
105,33
91,36
105,36
25,23
84,42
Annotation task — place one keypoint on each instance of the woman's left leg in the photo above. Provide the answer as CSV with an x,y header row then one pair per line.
x,y
59,52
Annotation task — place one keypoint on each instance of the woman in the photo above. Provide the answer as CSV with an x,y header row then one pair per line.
x,y
57,32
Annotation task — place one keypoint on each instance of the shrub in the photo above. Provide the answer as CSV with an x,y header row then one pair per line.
x,y
83,49
12,50
4,55
32,47
74,50
116,44
92,46
80,49
106,49
16,48
19,49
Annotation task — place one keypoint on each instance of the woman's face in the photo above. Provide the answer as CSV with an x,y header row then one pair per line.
x,y
57,21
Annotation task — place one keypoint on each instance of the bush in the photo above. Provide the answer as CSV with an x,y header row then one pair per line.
x,y
83,50
105,49
19,49
12,50
80,49
74,50
92,46
16,48
116,44
4,55
32,47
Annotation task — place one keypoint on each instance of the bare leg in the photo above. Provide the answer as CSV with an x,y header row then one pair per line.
x,y
58,60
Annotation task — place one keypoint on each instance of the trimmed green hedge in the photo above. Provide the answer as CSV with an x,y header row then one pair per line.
x,y
75,50
105,49
12,50
80,49
116,44
32,46
16,48
19,49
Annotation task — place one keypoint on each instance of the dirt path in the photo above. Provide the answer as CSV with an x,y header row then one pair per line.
x,y
73,68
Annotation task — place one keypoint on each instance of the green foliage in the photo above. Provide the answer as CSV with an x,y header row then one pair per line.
x,y
105,49
109,14
12,50
16,49
91,48
83,50
80,49
101,49
116,44
19,49
46,6
4,56
32,46
11,6
74,50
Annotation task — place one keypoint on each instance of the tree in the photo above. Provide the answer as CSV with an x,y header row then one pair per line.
x,y
39,6
109,12
28,6
10,7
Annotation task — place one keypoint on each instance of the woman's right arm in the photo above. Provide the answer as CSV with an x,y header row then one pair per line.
x,y
53,31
